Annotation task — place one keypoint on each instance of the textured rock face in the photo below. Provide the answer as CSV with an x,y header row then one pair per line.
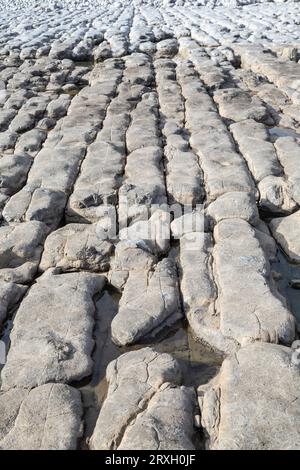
x,y
252,138
248,309
149,209
10,295
237,105
20,250
150,301
76,246
229,295
255,390
45,418
146,382
286,230
152,234
234,206
276,195
52,333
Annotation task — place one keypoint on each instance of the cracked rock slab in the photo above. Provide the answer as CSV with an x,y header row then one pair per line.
x,y
40,204
75,247
286,230
20,250
150,301
248,306
288,154
142,384
162,427
235,205
197,285
194,221
13,171
237,105
253,402
252,138
45,418
10,295
276,195
52,335
154,233
129,256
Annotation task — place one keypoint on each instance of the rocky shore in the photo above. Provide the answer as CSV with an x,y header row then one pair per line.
x,y
149,225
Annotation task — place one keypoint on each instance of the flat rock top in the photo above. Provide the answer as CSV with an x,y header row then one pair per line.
x,y
257,389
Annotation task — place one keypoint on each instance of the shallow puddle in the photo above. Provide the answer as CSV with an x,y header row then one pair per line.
x,y
276,132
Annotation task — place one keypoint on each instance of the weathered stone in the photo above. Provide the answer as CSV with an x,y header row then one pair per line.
x,y
6,116
144,185
57,168
45,418
145,381
286,230
184,177
189,222
192,109
52,335
153,234
236,205
252,138
3,200
224,169
58,108
31,142
7,140
129,256
76,247
162,428
197,284
149,303
38,204
237,105
237,301
256,389
143,131
10,295
288,154
249,306
22,122
276,195
13,171
166,48
98,181
20,250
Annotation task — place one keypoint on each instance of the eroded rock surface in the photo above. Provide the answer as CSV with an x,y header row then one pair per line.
x,y
146,381
52,336
256,389
20,251
150,301
149,194
10,295
45,418
286,230
77,246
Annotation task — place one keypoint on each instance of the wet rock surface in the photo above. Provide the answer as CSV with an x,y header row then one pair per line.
x,y
149,225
